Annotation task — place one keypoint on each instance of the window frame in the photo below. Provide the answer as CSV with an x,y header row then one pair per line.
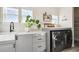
x,y
25,15
5,14
20,14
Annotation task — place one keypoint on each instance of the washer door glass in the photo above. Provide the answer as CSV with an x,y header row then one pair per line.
x,y
58,40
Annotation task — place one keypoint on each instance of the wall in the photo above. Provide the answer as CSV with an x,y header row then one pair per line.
x,y
38,12
67,12
1,17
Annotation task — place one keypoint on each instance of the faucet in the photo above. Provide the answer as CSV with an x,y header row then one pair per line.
x,y
11,26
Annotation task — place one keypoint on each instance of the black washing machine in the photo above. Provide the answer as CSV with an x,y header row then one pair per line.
x,y
60,40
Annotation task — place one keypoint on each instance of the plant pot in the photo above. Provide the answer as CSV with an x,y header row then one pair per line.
x,y
27,29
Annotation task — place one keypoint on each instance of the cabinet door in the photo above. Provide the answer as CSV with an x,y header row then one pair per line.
x,y
24,43
7,48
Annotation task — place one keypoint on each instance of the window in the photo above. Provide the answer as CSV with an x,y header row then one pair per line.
x,y
26,13
13,14
10,14
54,19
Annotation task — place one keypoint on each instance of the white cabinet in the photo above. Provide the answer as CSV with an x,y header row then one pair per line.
x,y
7,48
31,42
39,42
39,38
24,43
39,47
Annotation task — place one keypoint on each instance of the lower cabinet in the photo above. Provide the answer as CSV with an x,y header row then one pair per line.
x,y
31,43
7,48
39,47
24,43
39,42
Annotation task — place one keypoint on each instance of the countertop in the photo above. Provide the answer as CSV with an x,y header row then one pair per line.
x,y
10,36
31,32
57,28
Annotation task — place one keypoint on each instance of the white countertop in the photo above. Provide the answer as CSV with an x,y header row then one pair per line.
x,y
6,36
34,32
57,28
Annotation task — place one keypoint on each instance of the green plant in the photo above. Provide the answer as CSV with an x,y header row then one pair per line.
x,y
39,26
29,22
28,18
37,21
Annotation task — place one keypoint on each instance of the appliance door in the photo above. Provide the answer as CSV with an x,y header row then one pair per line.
x,y
57,41
68,39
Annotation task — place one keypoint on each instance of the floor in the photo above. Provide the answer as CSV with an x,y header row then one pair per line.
x,y
74,49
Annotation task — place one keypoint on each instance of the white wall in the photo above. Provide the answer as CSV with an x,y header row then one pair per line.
x,y
68,13
1,17
38,12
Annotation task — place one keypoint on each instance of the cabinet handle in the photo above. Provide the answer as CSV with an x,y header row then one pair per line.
x,y
36,36
39,46
40,39
16,38
14,45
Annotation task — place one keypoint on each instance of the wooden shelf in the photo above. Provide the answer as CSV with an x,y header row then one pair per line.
x,y
47,22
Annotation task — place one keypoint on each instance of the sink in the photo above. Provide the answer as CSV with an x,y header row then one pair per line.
x,y
5,36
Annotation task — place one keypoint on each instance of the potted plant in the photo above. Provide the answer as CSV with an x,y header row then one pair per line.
x,y
32,22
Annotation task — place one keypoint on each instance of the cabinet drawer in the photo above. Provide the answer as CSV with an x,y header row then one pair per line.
x,y
40,47
39,38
